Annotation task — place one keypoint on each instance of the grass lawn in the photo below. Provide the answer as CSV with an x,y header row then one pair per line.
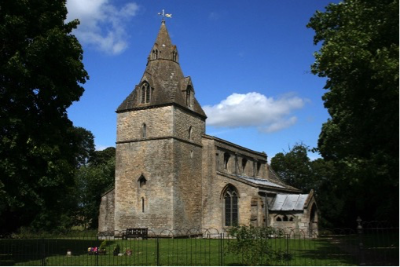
x,y
52,251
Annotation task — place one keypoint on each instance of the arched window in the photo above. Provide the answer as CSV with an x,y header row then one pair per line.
x,y
144,130
231,206
145,93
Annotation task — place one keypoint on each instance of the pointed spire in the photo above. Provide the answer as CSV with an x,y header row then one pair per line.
x,y
163,47
163,82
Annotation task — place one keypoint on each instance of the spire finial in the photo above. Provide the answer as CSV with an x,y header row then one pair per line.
x,y
163,15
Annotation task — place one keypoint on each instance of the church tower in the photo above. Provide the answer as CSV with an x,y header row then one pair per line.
x,y
159,147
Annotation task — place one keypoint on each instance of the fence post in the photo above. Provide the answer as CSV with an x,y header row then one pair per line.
x,y
43,248
360,233
221,249
158,251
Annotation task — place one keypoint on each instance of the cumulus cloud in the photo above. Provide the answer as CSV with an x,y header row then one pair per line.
x,y
103,25
254,110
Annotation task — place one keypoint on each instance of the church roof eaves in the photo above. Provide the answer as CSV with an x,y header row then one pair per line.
x,y
260,183
262,154
170,103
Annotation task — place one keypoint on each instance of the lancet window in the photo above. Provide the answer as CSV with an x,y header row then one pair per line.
x,y
189,96
145,93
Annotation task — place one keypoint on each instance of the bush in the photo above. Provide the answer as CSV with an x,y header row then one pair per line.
x,y
103,245
253,244
116,250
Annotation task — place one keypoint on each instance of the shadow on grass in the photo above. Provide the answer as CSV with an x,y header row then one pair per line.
x,y
36,251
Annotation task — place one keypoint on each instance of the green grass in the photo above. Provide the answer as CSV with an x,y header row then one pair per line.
x,y
52,251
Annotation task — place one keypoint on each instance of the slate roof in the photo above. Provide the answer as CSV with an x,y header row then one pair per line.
x,y
289,202
165,77
260,181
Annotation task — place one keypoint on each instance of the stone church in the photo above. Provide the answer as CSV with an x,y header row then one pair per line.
x,y
171,175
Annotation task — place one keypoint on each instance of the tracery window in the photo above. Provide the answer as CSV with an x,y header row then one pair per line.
x,y
231,206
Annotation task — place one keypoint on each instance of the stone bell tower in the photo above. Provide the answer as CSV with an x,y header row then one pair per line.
x,y
159,147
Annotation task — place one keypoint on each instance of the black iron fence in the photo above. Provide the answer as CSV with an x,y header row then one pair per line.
x,y
369,244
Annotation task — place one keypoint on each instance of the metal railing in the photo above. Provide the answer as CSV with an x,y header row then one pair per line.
x,y
370,243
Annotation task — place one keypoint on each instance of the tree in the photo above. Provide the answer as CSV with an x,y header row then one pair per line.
x,y
359,57
294,168
92,180
41,74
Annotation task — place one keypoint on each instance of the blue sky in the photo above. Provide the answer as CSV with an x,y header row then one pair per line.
x,y
249,62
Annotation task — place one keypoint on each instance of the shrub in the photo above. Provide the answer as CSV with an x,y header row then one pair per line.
x,y
253,244
103,245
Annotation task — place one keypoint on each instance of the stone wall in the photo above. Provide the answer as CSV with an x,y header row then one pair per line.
x,y
214,183
148,203
187,193
298,222
106,213
158,174
158,121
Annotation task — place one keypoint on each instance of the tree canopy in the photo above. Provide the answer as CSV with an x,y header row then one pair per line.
x,y
360,59
93,180
41,75
294,168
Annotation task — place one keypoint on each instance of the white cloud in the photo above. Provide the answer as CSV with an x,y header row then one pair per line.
x,y
102,24
254,110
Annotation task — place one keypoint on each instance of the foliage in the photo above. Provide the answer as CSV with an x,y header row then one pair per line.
x,y
41,73
254,246
92,180
103,245
294,168
116,250
359,57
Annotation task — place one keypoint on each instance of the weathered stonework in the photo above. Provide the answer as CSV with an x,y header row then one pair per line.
x,y
170,175
107,208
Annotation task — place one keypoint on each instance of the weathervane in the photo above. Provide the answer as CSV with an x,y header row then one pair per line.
x,y
163,14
